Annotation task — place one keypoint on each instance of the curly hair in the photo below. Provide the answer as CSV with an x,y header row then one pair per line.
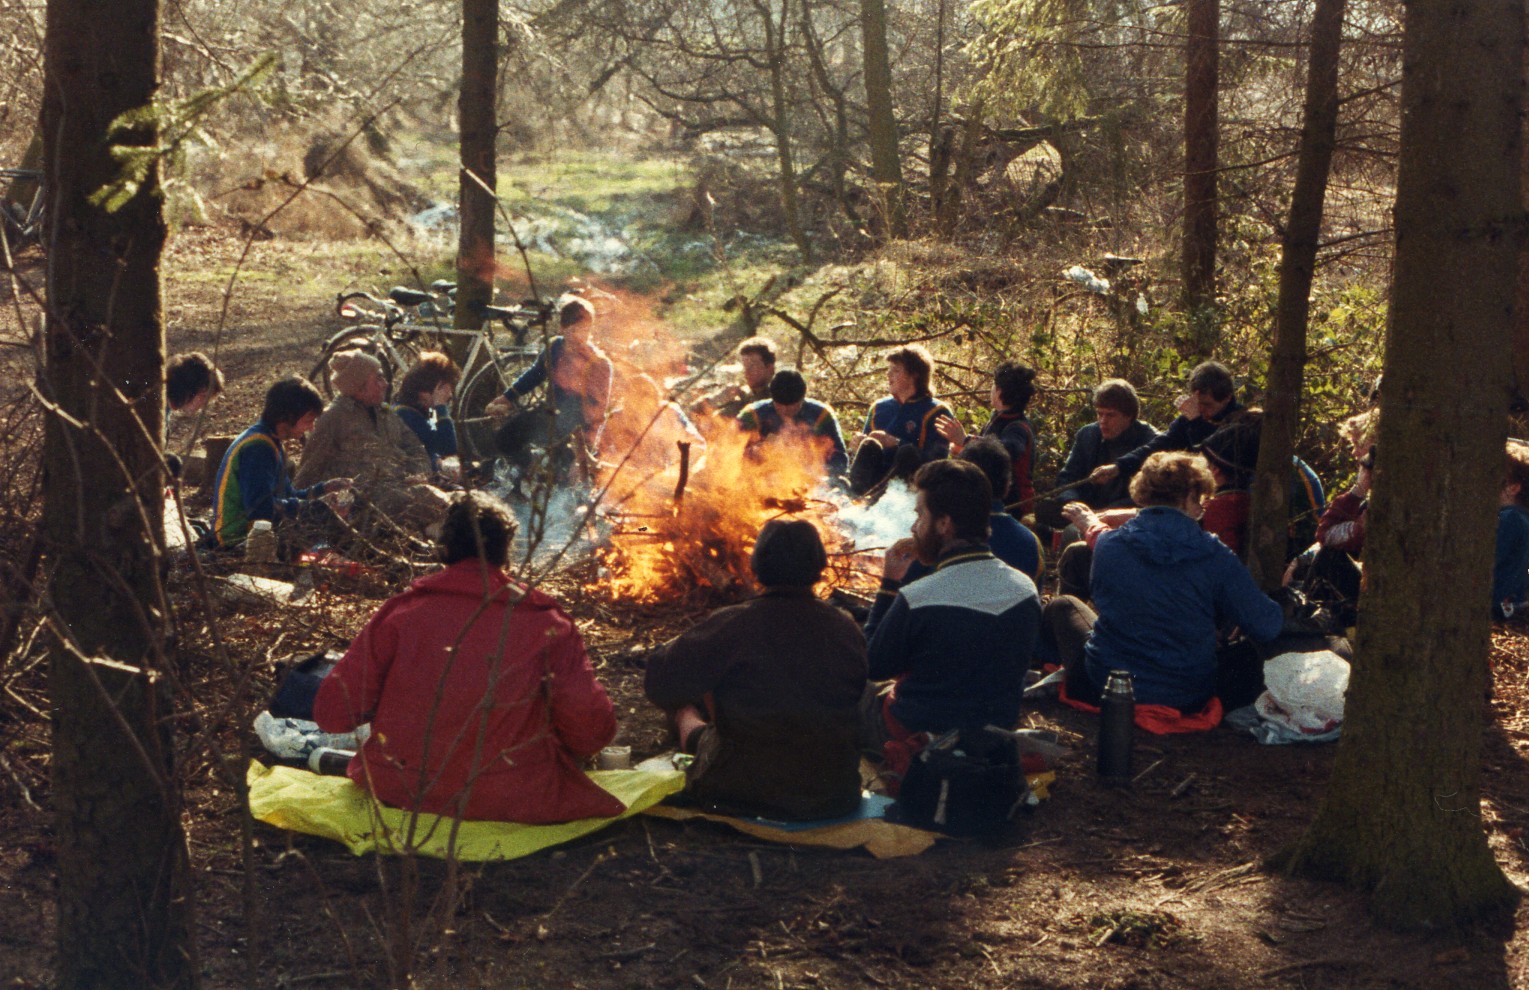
x,y
1169,478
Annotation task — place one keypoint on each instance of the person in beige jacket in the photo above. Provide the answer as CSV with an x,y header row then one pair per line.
x,y
360,437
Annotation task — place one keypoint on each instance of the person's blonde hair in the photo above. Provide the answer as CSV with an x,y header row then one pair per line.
x,y
1516,469
1169,478
1361,430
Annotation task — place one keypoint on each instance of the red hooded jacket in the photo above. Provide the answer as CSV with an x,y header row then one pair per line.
x,y
481,699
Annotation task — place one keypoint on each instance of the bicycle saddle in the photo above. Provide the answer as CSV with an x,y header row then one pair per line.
x,y
408,297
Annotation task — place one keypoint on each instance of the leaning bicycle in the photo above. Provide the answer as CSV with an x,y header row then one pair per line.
x,y
21,221
396,328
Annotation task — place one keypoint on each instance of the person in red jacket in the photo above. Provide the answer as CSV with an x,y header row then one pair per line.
x,y
481,698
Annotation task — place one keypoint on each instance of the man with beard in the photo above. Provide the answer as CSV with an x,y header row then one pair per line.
x,y
954,644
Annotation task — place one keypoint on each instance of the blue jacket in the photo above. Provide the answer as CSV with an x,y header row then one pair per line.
x,y
819,420
1183,433
436,431
1510,568
1013,430
911,422
1011,542
253,483
569,405
958,641
1162,586
1089,451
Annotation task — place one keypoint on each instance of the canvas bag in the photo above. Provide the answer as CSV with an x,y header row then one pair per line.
x,y
963,783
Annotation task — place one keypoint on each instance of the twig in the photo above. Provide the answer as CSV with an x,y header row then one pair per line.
x,y
1309,964
1183,786
1137,779
311,977
574,886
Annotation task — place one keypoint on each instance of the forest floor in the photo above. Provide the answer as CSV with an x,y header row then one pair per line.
x,y
1156,886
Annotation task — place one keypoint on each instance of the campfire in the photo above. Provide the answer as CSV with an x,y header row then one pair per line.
x,y
684,514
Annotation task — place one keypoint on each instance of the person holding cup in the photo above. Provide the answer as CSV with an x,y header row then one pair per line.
x,y
1210,401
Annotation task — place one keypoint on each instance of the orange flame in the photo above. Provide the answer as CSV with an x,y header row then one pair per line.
x,y
695,546
698,545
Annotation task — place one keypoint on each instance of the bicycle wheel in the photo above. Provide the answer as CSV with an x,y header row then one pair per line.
x,y
360,339
475,430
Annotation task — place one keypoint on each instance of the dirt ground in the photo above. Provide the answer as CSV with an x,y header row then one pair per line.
x,y
1155,886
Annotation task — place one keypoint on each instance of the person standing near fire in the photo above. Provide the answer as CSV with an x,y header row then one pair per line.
x,y
951,648
766,694
579,377
900,431
790,414
756,357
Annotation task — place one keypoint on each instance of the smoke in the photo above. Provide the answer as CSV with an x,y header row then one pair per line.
x,y
883,522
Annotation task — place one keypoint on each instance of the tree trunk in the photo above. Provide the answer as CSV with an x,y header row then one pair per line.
x,y
1202,57
1521,298
475,108
780,125
886,166
1282,401
124,901
1402,813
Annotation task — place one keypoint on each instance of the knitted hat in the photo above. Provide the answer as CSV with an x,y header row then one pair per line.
x,y
789,553
349,371
1234,447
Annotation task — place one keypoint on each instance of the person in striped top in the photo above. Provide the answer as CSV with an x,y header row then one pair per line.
x,y
252,481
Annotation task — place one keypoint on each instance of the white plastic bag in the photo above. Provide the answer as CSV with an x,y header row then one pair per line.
x,y
1304,691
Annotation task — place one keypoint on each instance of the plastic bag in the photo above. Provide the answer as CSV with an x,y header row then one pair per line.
x,y
1304,691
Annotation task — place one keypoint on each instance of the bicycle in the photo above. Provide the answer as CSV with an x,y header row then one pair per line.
x,y
488,367
22,223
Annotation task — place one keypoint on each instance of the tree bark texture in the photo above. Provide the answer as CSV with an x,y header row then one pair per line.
x,y
1201,151
1521,298
1287,363
780,123
475,111
124,907
1402,814
886,166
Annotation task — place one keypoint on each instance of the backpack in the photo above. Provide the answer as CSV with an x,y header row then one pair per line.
x,y
966,782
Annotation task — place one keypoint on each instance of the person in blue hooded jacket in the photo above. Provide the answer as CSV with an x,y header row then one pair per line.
x,y
1510,564
1163,588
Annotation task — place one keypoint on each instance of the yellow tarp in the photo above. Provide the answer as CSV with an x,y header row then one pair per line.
x,y
335,808
881,838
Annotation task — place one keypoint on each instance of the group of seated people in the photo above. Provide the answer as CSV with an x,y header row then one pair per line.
x,y
780,696
483,703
